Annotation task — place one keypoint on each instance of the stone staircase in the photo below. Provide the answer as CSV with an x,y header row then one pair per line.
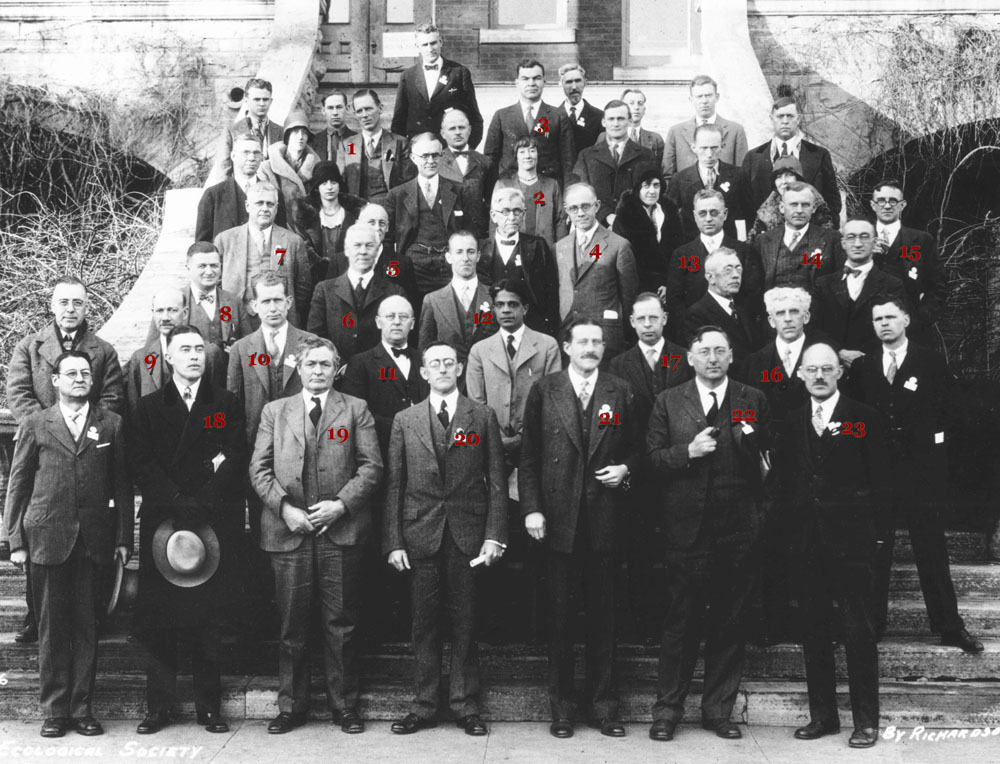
x,y
922,682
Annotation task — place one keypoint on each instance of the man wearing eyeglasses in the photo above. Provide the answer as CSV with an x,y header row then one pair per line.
x,y
838,479
843,307
911,256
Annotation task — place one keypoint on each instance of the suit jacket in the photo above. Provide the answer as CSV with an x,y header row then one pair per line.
x,y
252,385
783,396
224,206
441,320
600,285
647,139
59,488
348,471
29,375
587,128
771,243
745,335
924,279
470,496
478,181
417,111
677,153
320,143
556,471
538,271
672,369
237,326
849,322
723,488
402,206
234,245
223,161
550,222
334,299
556,147
394,160
596,165
817,170
731,181
141,380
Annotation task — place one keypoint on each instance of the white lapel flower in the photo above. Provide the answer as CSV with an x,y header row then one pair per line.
x,y
485,307
517,260
911,384
834,428
605,409
443,79
817,252
581,122
912,273
725,187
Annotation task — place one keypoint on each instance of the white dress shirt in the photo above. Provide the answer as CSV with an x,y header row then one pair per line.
x,y
280,339
856,283
434,182
403,361
790,349
657,349
518,336
703,173
794,144
208,307
900,357
307,398
888,232
583,238
365,278
460,286
451,399
579,108
724,302
706,120
712,243
577,381
81,418
798,235
828,406
431,75
704,393
181,385
506,250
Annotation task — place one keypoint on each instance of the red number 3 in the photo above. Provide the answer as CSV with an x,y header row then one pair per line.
x,y
543,125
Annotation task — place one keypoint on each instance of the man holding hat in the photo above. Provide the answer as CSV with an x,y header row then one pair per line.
x,y
188,450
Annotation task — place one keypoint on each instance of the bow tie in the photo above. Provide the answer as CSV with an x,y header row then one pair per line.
x,y
207,297
461,153
397,352
849,271
508,242
432,68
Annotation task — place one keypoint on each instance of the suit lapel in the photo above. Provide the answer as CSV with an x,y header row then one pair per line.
x,y
603,396
259,346
295,417
809,160
566,403
59,429
422,81
234,271
873,284
526,350
840,293
334,407
447,195
588,261
449,309
50,348
194,422
692,402
94,419
425,433
462,420
342,289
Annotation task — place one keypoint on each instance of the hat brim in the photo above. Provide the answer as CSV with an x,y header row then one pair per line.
x,y
186,580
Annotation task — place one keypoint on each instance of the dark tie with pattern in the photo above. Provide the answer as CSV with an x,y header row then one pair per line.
x,y
359,294
315,412
511,350
443,415
713,410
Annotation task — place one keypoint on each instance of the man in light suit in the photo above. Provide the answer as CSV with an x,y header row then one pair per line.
x,y
530,115
256,102
584,118
318,493
433,87
636,101
326,143
578,448
261,246
69,462
374,160
597,273
704,96
445,507
219,315
707,438
470,169
613,165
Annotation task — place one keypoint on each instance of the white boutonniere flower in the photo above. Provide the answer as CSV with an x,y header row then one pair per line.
x,y
443,80
912,273
817,252
581,122
458,432
834,428
517,260
290,360
92,433
485,307
605,409
911,384
725,187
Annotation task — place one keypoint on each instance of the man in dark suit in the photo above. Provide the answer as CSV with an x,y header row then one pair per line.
x,y
433,87
445,511
722,306
219,315
842,311
470,169
636,101
188,456
817,166
512,255
709,172
69,462
612,166
910,386
838,475
374,160
652,366
256,103
29,379
318,493
326,143
704,97
911,256
798,253
530,115
577,451
707,438
343,309
584,118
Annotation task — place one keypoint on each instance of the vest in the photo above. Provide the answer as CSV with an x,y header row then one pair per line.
x,y
501,271
276,377
211,329
789,270
431,230
310,465
465,319
440,436
372,178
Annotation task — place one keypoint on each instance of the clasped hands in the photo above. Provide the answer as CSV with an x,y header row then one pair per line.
x,y
319,516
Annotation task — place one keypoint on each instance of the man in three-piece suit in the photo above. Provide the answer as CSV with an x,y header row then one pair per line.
x,y
69,461
709,172
219,315
29,379
256,103
722,306
817,165
326,143
470,169
317,492
707,439
513,255
578,448
614,165
911,256
597,272
532,116
636,101
259,246
838,478
188,454
704,97
374,160
584,118
445,507
343,309
910,385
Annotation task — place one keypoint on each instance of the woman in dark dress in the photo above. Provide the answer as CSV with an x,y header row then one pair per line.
x,y
323,218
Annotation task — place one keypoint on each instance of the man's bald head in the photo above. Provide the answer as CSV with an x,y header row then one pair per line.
x,y
169,309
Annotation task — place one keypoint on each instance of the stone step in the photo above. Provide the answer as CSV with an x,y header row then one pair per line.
x,y
777,703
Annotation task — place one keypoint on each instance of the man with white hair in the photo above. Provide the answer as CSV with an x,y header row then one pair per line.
x,y
583,116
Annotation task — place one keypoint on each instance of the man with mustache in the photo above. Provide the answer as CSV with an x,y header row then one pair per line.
x,y
584,117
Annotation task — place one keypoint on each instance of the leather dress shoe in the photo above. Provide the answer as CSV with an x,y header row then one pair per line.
x,y
153,723
561,728
473,724
349,721
662,730
213,722
963,640
285,722
722,728
412,723
816,730
55,727
87,725
609,727
863,737
27,635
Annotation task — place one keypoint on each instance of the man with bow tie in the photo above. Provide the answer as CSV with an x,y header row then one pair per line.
x,y
470,169
29,377
911,386
704,96
217,313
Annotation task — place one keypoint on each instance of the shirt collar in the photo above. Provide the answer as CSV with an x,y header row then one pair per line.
x,y
900,351
658,347
281,337
518,335
576,379
194,388
704,390
583,238
723,301
891,230
794,144
163,346
515,238
579,107
801,232
434,181
307,398
535,106
712,243
388,348
67,413
377,136
451,399
702,120
865,269
366,278
795,347
459,284
828,406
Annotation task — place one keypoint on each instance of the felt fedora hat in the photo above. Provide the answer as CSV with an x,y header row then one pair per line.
x,y
187,557
125,592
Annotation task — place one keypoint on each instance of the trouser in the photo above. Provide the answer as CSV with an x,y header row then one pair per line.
x,y
161,668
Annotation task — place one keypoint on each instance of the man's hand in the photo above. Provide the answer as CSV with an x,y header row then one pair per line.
x,y
850,356
613,475
661,292
534,523
325,513
611,220
399,560
702,445
19,557
296,519
491,551
880,246
123,553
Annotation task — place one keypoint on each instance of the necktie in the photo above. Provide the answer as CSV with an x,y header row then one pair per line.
x,y
359,293
331,146
511,350
651,358
786,360
397,352
784,150
508,242
430,68
572,114
732,307
261,244
66,342
461,153
74,424
849,271
616,150
817,420
466,297
890,375
710,177
429,193
208,297
529,121
371,148
713,410
271,343
634,134
796,235
585,393
443,417
315,412
187,397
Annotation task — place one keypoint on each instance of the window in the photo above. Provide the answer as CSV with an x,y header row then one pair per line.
x,y
529,14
